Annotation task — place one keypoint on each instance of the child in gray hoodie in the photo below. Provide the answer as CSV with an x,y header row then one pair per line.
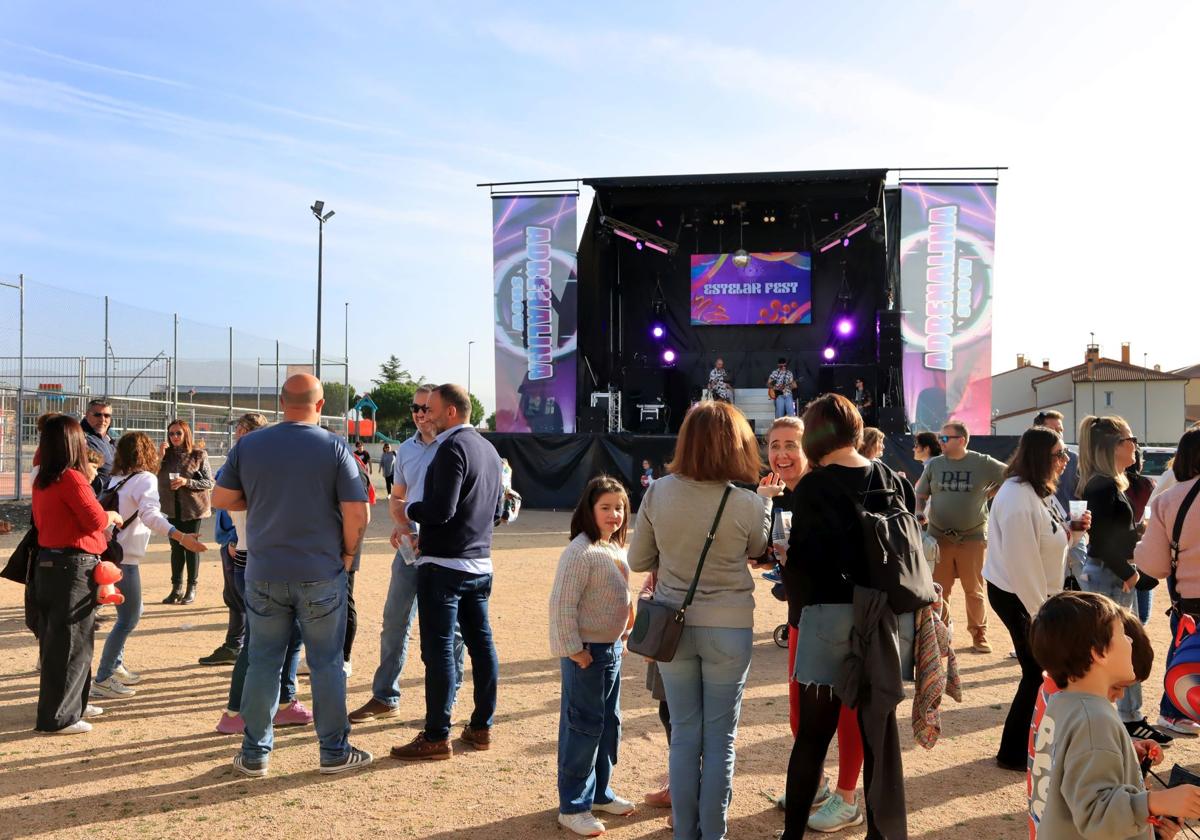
x,y
1086,775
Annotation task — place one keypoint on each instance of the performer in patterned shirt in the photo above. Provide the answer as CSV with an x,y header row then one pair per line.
x,y
720,384
780,385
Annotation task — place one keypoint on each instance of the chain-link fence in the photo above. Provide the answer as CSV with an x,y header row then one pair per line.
x,y
152,366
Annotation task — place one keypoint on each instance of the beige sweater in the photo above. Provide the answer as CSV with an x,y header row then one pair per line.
x,y
589,601
672,524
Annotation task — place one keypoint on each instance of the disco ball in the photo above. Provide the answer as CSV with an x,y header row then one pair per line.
x,y
740,258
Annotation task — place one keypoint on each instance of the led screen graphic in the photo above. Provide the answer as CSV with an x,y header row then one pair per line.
x,y
947,254
773,288
534,265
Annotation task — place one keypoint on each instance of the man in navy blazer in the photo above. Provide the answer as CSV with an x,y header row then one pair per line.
x,y
454,575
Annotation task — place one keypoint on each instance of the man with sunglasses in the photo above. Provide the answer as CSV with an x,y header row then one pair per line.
x,y
95,426
957,486
400,608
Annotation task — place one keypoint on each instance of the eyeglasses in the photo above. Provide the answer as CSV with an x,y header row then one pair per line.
x,y
948,438
417,409
101,414
1126,440
1062,455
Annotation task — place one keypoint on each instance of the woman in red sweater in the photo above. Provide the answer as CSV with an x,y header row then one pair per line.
x,y
71,536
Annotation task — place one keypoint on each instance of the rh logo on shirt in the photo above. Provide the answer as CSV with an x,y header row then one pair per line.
x,y
954,481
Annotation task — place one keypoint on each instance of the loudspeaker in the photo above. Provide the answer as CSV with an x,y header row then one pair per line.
x,y
892,420
891,342
592,419
839,379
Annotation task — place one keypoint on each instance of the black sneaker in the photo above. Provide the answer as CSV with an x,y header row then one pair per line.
x,y
353,760
221,656
1141,729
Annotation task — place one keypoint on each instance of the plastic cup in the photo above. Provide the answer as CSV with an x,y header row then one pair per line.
x,y
1078,509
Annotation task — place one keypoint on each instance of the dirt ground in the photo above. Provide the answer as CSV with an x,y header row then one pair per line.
x,y
154,766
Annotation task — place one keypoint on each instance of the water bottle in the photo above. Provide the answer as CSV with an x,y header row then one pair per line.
x,y
407,551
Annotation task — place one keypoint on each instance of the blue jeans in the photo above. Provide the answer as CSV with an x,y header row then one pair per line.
x,y
704,684
446,597
272,609
1145,603
128,614
399,610
589,728
785,406
291,663
1101,580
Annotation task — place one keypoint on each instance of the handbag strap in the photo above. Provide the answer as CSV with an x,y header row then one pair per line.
x,y
708,541
1176,535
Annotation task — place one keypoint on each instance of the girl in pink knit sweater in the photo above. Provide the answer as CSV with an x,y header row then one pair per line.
x,y
591,614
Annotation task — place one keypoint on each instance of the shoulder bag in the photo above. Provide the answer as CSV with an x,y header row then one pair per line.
x,y
657,628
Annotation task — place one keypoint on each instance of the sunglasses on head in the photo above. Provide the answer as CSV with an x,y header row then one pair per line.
x,y
417,409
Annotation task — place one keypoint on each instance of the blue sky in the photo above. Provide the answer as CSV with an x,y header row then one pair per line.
x,y
166,154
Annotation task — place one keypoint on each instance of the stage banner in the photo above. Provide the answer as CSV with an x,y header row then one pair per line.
x,y
947,254
534,256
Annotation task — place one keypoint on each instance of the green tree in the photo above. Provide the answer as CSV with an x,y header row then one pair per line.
x,y
491,422
394,417
476,410
335,398
392,371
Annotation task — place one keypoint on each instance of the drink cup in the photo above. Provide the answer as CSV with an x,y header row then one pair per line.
x,y
172,476
1078,509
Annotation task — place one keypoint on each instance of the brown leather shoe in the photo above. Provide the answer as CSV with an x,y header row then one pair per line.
x,y
421,749
480,739
373,710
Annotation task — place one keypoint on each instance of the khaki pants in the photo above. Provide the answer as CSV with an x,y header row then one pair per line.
x,y
964,560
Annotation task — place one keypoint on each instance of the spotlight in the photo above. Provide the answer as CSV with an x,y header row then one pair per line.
x,y
829,354
641,244
658,331
845,326
668,356
740,258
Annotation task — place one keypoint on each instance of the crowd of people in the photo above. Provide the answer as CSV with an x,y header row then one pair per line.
x,y
1057,545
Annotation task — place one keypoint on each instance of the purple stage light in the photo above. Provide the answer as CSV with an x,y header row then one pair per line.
x,y
829,353
832,244
658,222
658,331
845,243
845,326
639,244
858,229
668,356
658,248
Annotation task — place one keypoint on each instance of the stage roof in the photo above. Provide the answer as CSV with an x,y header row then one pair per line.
x,y
738,178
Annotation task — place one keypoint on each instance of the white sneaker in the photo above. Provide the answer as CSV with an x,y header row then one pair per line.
x,y
1179,725
347,668
126,676
111,688
92,711
77,728
585,825
618,806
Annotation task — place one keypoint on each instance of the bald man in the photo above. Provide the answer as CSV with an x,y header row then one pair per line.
x,y
306,512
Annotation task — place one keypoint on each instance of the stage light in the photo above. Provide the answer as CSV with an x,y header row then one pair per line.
x,y
846,243
832,244
858,229
740,258
658,222
829,354
656,247
845,326
640,245
668,356
658,331
624,234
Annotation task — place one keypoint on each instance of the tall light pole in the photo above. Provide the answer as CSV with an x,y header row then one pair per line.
x,y
469,345
1146,397
346,368
317,207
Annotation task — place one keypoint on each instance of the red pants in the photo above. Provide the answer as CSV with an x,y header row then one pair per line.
x,y
850,745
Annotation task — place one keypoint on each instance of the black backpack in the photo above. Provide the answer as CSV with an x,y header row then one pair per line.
x,y
893,553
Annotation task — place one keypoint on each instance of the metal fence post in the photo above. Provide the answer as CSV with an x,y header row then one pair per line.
x,y
20,453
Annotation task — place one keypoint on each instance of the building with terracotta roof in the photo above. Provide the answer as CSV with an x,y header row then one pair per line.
x,y
1192,400
1152,401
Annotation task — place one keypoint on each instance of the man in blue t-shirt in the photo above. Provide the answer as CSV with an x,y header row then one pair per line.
x,y
306,513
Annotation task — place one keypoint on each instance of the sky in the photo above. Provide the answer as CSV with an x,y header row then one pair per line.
x,y
166,154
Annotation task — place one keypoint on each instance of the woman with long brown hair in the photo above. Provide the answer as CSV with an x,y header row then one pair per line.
x,y
71,537
133,480
185,485
705,679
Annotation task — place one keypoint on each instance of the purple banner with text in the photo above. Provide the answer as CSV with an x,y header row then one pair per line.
x,y
534,254
947,254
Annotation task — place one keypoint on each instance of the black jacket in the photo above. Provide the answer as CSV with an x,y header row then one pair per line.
x,y
104,445
462,489
1113,535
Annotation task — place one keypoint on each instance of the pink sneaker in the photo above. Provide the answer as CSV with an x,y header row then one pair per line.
x,y
293,714
231,724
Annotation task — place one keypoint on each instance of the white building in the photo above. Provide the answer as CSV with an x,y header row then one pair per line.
x,y
1151,402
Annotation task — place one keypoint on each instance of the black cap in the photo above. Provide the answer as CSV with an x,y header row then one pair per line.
x,y
781,361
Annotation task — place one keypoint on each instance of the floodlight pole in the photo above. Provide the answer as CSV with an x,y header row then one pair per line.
x,y
19,464
317,208
470,344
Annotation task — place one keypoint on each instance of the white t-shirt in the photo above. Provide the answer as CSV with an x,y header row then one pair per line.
x,y
139,494
1027,545
243,533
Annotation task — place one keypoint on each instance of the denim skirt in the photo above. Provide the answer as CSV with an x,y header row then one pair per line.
x,y
823,643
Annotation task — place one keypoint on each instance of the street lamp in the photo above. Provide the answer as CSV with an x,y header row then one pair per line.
x,y
469,343
317,207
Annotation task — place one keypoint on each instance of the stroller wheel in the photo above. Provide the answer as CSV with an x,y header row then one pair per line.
x,y
781,635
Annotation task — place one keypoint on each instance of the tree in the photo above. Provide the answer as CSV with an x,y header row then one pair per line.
x,y
476,410
391,371
335,398
491,422
394,417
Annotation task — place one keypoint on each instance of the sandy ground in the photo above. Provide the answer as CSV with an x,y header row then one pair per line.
x,y
154,767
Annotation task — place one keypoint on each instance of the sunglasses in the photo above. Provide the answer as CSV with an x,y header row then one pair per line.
x,y
1062,455
1128,439
418,409
948,438
101,414
174,434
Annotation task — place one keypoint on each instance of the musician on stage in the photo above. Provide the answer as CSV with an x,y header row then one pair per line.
x,y
780,385
720,383
862,399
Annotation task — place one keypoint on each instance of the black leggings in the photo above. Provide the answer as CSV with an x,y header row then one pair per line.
x,y
180,556
664,714
351,617
1014,742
